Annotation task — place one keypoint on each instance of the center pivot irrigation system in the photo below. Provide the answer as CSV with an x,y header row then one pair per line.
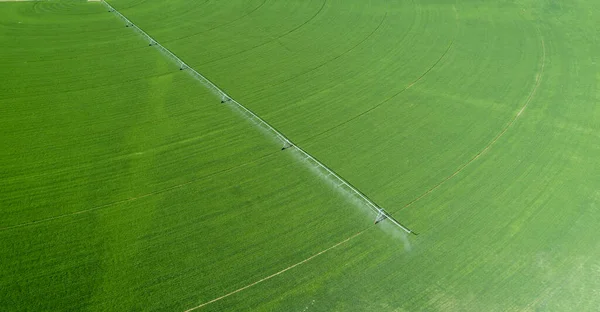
x,y
287,144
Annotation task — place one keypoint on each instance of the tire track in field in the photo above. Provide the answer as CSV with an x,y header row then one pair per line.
x,y
131,199
144,2
384,101
512,121
278,273
456,19
345,240
336,57
273,39
538,79
219,26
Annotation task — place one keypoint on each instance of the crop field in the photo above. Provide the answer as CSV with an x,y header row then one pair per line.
x,y
125,185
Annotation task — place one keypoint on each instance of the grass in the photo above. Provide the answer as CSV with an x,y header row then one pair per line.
x,y
143,171
191,202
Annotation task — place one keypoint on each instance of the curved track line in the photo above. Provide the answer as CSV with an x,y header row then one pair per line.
x,y
219,26
275,274
170,188
529,98
538,79
384,101
336,57
144,2
273,38
456,18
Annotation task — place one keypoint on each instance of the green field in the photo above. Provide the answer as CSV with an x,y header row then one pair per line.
x,y
126,186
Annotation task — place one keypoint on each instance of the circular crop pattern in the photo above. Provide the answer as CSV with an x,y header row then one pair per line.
x,y
358,155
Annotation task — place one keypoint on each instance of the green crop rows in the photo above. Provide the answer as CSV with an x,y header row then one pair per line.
x,y
125,185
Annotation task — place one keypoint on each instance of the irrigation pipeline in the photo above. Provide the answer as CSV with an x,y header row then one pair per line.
x,y
225,98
